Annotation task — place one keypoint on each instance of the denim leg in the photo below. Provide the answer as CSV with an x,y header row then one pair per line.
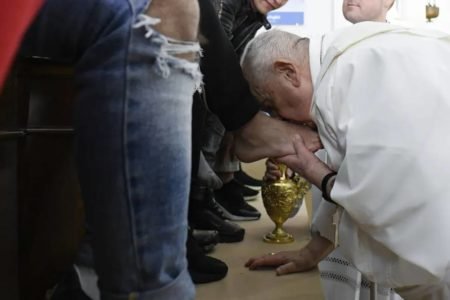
x,y
133,136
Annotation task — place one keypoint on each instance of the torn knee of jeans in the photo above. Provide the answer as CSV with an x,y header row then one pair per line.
x,y
168,59
174,53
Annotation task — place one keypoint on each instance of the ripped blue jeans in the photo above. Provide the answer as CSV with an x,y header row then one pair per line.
x,y
133,139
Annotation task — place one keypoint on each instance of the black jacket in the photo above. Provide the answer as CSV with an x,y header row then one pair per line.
x,y
240,21
227,92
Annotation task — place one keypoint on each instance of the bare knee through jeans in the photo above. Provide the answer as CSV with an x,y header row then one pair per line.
x,y
179,21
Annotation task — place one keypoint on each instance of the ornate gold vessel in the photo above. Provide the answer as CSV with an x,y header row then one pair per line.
x,y
280,199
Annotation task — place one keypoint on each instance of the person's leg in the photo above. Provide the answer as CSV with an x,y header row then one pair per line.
x,y
217,149
133,131
199,112
204,213
144,159
226,163
213,134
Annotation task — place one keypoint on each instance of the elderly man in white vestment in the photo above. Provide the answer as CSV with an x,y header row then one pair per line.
x,y
339,278
380,98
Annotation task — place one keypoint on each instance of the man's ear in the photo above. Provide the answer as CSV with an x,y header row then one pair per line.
x,y
287,69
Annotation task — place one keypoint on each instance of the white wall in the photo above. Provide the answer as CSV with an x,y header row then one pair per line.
x,y
322,16
413,12
319,15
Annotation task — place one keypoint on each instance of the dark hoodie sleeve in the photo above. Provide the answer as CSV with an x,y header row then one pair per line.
x,y
227,92
227,14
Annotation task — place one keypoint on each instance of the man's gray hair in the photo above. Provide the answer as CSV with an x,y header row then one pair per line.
x,y
261,52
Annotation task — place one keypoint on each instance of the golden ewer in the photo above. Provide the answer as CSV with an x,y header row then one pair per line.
x,y
281,199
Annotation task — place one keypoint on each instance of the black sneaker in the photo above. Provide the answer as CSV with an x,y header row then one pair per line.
x,y
228,232
232,202
248,193
211,204
208,215
203,268
247,180
204,213
206,239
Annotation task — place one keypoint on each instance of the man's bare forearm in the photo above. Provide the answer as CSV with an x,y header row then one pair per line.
x,y
264,136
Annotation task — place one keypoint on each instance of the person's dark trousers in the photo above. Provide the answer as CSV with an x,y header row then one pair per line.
x,y
199,111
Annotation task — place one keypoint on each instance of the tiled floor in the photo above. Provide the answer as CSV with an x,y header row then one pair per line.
x,y
243,284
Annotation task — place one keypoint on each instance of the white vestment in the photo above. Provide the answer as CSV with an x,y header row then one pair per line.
x,y
382,107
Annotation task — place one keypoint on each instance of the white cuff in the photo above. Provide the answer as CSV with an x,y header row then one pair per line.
x,y
322,222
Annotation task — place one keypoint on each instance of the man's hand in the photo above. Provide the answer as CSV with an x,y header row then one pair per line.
x,y
287,262
264,136
305,163
273,171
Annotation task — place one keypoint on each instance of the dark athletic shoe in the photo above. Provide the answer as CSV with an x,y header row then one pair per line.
x,y
203,268
231,201
248,193
248,181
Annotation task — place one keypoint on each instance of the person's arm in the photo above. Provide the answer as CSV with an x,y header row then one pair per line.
x,y
322,243
227,15
306,164
227,92
310,167
287,262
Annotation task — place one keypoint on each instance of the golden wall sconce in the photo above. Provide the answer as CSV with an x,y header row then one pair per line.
x,y
431,11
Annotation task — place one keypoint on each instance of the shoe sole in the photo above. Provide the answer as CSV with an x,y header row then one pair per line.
x,y
250,198
231,238
253,187
231,217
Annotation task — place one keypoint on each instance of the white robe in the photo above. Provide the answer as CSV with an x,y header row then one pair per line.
x,y
382,106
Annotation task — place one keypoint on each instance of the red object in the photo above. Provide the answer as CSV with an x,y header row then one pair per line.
x,y
15,17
